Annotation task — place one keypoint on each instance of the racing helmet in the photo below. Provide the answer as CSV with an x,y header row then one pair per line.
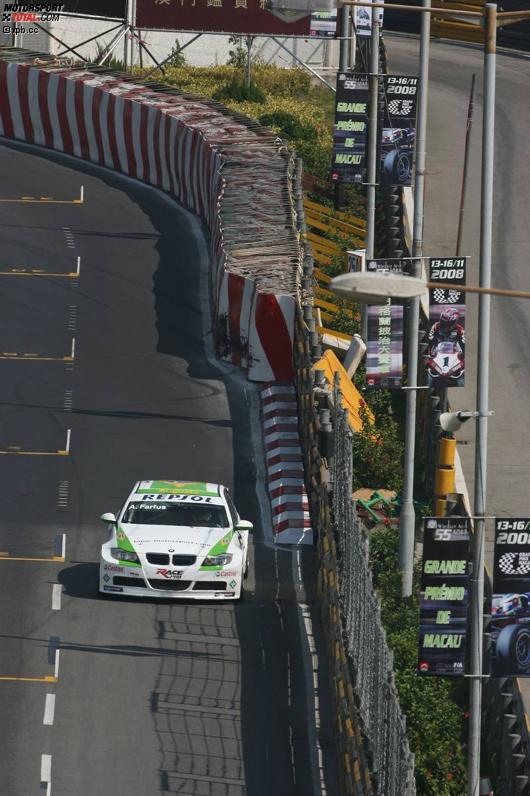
x,y
449,317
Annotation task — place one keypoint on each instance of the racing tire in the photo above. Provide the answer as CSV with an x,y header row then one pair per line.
x,y
513,650
397,168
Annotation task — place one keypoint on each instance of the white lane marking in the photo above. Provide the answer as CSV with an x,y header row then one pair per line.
x,y
311,667
56,667
72,317
78,266
67,405
63,546
73,348
62,499
68,438
45,768
57,591
82,194
49,712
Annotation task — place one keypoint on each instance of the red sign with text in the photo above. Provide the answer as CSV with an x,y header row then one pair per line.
x,y
220,16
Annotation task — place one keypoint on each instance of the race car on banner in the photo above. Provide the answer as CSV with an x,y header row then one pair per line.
x,y
176,539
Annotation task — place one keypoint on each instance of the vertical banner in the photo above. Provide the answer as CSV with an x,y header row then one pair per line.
x,y
510,610
398,133
446,363
362,20
444,595
349,130
384,344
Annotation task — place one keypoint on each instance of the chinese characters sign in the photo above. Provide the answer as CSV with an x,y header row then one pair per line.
x,y
446,361
444,596
349,130
398,132
510,610
219,16
384,354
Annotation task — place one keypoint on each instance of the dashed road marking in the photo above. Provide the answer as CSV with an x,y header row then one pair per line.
x,y
49,709
57,591
62,496
68,400
46,772
72,317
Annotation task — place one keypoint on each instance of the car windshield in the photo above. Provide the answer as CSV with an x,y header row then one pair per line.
x,y
183,514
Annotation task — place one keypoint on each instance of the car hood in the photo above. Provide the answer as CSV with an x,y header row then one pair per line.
x,y
164,538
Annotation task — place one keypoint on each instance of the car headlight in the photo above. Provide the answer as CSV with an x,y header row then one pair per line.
x,y
217,561
124,555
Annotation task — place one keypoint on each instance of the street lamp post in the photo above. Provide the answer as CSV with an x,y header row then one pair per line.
x,y
407,516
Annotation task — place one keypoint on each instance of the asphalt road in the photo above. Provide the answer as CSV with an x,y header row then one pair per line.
x,y
151,697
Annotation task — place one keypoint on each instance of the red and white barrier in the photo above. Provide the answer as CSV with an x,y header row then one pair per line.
x,y
216,163
285,468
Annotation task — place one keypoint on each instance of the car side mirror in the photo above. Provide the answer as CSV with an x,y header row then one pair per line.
x,y
244,525
108,517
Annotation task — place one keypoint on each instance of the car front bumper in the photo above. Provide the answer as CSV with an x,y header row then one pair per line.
x,y
194,584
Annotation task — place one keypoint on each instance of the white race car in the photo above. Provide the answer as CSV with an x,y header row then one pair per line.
x,y
176,539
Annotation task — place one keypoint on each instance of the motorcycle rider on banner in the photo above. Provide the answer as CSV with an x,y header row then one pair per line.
x,y
447,329
447,343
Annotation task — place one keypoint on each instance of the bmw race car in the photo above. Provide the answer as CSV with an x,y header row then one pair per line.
x,y
176,539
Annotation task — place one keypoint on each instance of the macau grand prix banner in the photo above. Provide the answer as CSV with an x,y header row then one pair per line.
x,y
444,594
349,130
446,352
384,343
510,610
398,132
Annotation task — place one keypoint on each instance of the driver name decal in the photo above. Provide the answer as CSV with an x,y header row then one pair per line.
x,y
510,607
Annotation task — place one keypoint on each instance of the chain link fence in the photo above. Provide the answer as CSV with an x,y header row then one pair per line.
x,y
371,660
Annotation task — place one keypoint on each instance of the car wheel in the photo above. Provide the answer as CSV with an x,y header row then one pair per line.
x,y
398,167
513,650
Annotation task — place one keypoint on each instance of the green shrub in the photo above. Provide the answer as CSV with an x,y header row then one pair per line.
x,y
378,452
288,125
239,91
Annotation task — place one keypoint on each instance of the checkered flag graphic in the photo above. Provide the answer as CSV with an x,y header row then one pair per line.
x,y
515,563
400,107
442,296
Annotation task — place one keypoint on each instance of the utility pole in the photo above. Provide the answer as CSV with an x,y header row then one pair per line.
x,y
407,517
481,442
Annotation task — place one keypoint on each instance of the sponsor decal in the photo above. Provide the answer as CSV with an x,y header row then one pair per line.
x,y
113,568
113,588
170,574
227,573
233,584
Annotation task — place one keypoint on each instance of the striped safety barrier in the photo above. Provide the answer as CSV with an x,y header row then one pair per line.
x,y
233,173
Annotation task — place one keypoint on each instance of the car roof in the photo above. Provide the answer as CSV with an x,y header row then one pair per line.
x,y
203,488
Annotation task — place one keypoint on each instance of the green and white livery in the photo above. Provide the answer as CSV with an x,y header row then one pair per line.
x,y
176,539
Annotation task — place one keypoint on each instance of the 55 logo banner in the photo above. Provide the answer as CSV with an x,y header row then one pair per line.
x,y
510,610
